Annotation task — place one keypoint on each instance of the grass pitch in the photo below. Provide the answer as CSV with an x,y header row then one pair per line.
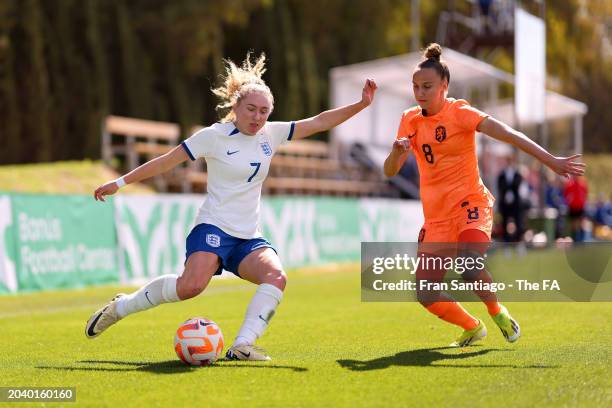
x,y
328,349
70,177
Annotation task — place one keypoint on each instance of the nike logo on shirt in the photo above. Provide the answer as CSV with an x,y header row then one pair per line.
x,y
230,153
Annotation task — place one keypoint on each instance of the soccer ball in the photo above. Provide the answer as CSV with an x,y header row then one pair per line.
x,y
198,342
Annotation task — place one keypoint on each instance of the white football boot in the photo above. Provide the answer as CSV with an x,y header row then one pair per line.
x,y
103,318
247,352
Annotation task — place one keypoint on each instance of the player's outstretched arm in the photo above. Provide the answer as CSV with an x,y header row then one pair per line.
x,y
149,169
397,157
564,166
331,118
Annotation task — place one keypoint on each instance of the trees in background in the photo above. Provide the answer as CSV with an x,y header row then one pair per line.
x,y
65,64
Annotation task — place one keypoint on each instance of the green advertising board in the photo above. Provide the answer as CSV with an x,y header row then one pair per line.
x,y
66,241
62,241
8,273
152,232
310,231
304,230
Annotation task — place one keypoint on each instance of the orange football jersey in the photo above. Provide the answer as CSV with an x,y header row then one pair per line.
x,y
445,148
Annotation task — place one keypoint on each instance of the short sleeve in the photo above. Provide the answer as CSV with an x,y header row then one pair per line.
x,y
406,127
280,132
468,117
201,143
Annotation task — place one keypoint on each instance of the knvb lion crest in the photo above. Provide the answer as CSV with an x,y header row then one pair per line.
x,y
440,134
266,148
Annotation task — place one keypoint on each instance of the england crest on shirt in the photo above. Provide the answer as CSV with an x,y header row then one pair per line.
x,y
266,148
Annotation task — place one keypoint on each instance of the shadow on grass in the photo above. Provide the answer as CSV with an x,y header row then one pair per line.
x,y
163,367
426,358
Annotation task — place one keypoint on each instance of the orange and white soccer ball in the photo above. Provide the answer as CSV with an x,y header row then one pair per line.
x,y
198,342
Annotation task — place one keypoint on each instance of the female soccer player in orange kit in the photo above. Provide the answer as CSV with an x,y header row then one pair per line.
x,y
456,203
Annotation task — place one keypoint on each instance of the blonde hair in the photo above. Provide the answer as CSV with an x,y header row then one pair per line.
x,y
239,82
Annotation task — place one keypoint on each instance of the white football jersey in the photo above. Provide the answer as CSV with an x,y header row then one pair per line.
x,y
237,167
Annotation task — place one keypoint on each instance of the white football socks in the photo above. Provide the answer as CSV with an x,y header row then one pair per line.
x,y
258,314
160,290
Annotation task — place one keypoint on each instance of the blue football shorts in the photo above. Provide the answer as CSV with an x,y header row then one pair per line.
x,y
231,250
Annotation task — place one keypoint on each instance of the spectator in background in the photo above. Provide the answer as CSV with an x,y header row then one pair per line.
x,y
485,6
485,13
601,214
603,211
575,193
511,189
533,180
553,196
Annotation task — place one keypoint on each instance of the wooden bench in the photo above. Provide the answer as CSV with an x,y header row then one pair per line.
x,y
304,148
138,141
133,137
310,186
296,166
198,182
283,166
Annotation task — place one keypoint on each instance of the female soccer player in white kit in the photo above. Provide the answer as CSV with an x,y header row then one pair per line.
x,y
238,151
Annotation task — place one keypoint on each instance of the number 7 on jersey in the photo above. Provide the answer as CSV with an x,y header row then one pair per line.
x,y
256,165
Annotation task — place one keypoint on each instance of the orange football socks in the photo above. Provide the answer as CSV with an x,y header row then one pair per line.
x,y
454,313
